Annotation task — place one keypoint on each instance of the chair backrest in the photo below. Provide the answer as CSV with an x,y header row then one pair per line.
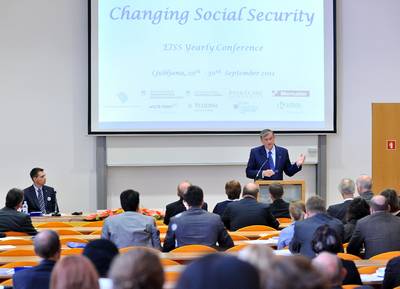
x,y
8,283
266,237
64,241
169,262
68,232
54,225
94,224
171,276
346,256
19,264
256,228
345,245
18,252
386,256
97,232
350,286
236,248
367,269
236,237
130,248
16,242
284,220
162,229
73,251
13,233
194,248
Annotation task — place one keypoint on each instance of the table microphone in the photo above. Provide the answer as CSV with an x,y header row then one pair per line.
x,y
256,178
56,212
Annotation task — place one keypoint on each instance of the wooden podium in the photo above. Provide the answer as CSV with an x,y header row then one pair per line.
x,y
293,190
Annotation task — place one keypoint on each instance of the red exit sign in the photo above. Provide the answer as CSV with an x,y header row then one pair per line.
x,y
391,144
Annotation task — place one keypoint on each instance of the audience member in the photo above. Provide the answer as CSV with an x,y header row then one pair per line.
x,y
326,239
248,211
393,200
364,187
346,189
11,219
196,226
137,269
74,272
279,208
232,190
294,272
177,207
304,230
379,232
47,247
260,256
101,252
217,271
131,228
331,268
392,274
297,211
39,197
357,210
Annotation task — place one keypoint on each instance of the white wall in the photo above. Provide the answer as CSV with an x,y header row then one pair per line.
x,y
43,94
368,71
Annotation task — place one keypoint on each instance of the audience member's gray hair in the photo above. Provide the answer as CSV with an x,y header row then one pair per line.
x,y
347,187
364,183
379,203
330,266
47,244
297,210
315,204
251,189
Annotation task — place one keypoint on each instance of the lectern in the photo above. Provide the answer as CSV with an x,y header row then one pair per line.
x,y
293,190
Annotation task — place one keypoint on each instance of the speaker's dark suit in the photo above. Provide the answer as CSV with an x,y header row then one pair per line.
x,y
304,232
379,233
175,208
196,226
247,212
49,196
34,278
12,220
258,159
339,211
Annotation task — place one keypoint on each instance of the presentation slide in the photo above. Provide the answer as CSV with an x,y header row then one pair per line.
x,y
212,66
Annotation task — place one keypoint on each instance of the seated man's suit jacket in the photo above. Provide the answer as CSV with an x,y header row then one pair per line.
x,y
258,157
196,226
392,274
339,211
12,220
247,212
34,278
175,208
49,197
379,233
304,232
279,209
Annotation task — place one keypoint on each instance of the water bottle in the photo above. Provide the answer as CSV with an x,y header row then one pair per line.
x,y
25,208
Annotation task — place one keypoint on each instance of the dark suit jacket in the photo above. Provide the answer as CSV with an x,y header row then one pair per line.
x,y
339,211
196,226
304,232
34,278
175,208
279,209
12,220
352,275
258,159
379,233
392,274
221,206
49,196
247,212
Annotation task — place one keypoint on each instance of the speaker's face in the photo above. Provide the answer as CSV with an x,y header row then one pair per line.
x,y
268,140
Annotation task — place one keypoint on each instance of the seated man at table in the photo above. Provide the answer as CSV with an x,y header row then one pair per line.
x,y
47,246
248,211
11,219
196,226
177,207
131,228
330,266
279,208
232,191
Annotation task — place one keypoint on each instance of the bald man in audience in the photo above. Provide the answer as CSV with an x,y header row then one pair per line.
x,y
47,247
248,211
346,189
330,266
177,207
364,187
378,232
